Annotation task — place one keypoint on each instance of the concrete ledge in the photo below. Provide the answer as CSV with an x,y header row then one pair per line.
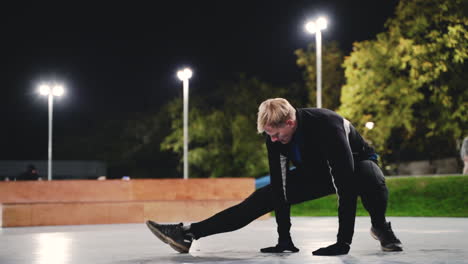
x,y
40,214
81,202
119,190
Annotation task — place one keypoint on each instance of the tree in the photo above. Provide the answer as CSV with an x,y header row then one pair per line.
x,y
411,81
332,73
223,140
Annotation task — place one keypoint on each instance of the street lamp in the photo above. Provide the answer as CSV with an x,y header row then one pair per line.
x,y
315,27
370,125
184,75
50,91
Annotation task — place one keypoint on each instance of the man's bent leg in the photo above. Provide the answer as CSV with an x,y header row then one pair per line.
x,y
257,204
374,196
373,190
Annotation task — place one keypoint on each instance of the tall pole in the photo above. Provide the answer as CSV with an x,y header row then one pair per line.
x,y
318,42
50,92
315,27
49,164
186,93
184,76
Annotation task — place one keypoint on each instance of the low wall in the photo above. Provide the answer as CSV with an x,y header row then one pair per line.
x,y
426,167
75,202
120,190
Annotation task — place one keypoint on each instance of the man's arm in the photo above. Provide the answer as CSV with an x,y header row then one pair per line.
x,y
278,171
338,153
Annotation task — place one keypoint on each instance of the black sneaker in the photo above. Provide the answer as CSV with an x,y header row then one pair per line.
x,y
388,240
173,235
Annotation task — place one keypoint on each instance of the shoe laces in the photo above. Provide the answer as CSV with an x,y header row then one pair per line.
x,y
172,229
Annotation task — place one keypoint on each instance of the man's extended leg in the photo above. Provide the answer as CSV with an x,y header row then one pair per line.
x,y
374,196
179,237
233,218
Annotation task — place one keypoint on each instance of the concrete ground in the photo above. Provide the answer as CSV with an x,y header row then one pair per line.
x,y
425,241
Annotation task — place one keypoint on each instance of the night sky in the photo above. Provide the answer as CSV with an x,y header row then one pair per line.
x,y
117,59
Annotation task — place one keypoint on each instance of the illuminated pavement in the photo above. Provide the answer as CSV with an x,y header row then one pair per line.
x,y
425,240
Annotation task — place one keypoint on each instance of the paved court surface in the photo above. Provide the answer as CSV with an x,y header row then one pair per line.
x,y
425,240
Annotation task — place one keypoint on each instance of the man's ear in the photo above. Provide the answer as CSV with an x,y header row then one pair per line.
x,y
290,122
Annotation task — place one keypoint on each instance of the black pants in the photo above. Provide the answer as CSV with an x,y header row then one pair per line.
x,y
370,184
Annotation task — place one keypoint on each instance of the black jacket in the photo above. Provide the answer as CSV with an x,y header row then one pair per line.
x,y
329,148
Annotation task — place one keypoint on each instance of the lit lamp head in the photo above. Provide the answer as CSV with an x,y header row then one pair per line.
x,y
317,25
57,90
44,89
370,125
184,74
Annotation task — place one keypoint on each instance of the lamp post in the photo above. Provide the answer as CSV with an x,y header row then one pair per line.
x,y
315,27
50,92
184,75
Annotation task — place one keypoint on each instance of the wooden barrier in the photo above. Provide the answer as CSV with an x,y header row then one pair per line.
x,y
76,202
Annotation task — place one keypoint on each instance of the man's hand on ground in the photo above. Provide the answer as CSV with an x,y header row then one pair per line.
x,y
280,248
338,248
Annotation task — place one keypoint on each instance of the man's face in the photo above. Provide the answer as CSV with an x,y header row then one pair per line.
x,y
284,133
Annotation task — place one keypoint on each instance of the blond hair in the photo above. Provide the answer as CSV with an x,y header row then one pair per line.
x,y
274,112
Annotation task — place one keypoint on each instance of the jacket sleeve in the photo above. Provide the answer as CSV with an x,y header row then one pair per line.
x,y
340,160
278,171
